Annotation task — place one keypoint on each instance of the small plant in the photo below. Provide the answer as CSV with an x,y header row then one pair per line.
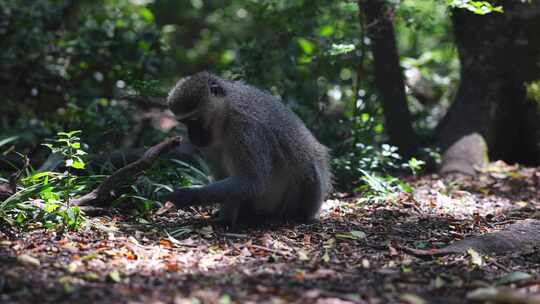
x,y
415,165
143,194
68,144
377,188
44,197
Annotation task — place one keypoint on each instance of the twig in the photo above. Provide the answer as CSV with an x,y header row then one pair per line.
x,y
105,191
499,265
280,252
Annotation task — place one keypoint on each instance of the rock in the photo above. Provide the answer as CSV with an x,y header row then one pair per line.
x,y
465,155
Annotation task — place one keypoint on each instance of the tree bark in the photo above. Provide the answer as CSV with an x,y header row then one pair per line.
x,y
388,75
498,54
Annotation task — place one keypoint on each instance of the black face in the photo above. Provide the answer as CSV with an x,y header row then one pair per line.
x,y
188,104
195,92
197,133
216,89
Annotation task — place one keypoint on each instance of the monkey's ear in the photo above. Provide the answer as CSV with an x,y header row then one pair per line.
x,y
216,89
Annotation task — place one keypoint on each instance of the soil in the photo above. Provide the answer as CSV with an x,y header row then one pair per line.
x,y
357,252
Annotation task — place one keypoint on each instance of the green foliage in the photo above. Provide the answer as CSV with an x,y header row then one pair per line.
x,y
44,197
368,156
376,188
477,7
69,146
533,92
68,65
75,57
7,140
415,165
38,200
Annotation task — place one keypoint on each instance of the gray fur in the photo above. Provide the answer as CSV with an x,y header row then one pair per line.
x,y
267,164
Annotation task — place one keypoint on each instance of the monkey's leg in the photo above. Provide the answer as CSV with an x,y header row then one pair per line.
x,y
309,204
228,215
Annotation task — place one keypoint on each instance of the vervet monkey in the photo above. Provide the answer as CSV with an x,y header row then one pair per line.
x,y
266,163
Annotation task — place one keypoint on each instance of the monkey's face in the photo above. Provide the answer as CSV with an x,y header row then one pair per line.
x,y
193,102
190,96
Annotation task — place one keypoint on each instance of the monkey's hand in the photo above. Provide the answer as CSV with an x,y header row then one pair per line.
x,y
183,197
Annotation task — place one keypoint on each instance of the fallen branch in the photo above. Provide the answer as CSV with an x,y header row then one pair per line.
x,y
105,191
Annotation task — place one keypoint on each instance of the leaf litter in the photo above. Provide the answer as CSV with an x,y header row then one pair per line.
x,y
356,253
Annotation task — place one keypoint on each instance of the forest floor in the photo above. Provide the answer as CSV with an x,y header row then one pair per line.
x,y
356,253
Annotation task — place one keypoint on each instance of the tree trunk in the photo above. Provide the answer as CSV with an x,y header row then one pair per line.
x,y
388,75
498,54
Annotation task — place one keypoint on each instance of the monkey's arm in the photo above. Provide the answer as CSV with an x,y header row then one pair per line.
x,y
230,190
186,148
248,150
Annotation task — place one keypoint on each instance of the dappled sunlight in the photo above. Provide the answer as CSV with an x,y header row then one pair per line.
x,y
326,152
352,242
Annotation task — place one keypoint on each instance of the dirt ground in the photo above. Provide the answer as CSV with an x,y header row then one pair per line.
x,y
356,253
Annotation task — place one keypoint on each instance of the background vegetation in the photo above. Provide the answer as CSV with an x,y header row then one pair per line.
x,y
405,93
103,67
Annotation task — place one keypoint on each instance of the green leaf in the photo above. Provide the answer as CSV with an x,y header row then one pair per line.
x,y
69,134
114,276
78,164
364,117
306,45
50,207
146,14
477,7
326,30
338,49
7,140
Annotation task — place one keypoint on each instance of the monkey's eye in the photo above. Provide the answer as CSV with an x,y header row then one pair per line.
x,y
216,89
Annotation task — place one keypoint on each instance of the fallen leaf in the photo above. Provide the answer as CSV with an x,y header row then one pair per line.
x,y
302,255
91,276
225,299
168,205
165,243
26,259
412,299
505,295
353,235
514,277
114,276
476,258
